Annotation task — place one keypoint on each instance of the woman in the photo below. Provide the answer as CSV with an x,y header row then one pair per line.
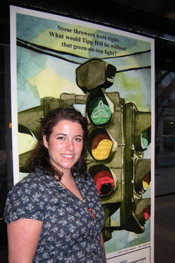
x,y
54,214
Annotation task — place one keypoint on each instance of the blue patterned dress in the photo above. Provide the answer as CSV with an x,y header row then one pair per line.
x,y
69,233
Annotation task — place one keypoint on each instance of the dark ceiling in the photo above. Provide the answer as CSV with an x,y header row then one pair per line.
x,y
158,20
156,7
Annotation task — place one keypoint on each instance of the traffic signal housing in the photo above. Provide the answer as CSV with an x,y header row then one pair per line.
x,y
135,209
118,136
105,146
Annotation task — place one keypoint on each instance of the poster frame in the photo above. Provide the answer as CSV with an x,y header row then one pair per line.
x,y
14,101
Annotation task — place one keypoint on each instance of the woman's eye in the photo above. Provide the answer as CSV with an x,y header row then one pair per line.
x,y
78,139
60,138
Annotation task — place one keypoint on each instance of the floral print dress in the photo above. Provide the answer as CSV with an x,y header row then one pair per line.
x,y
69,233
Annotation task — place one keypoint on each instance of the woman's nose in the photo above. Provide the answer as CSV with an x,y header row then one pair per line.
x,y
70,144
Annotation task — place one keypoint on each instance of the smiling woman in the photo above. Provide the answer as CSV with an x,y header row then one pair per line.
x,y
60,127
56,208
65,145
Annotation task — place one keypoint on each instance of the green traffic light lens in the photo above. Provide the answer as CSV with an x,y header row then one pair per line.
x,y
145,139
97,108
101,114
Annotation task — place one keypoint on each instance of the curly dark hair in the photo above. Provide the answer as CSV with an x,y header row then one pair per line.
x,y
40,156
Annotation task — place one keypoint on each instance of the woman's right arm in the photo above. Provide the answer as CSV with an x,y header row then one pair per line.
x,y
23,237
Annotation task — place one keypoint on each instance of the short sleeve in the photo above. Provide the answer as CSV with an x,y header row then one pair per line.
x,y
24,201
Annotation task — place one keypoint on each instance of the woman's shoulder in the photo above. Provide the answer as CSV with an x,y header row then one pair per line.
x,y
35,176
25,199
33,181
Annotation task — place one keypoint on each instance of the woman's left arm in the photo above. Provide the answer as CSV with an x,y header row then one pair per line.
x,y
102,243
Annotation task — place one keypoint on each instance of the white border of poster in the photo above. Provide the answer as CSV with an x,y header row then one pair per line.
x,y
109,46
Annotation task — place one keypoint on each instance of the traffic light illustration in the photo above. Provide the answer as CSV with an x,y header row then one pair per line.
x,y
135,210
105,145
118,136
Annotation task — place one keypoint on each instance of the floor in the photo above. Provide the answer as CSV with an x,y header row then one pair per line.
x,y
165,215
164,218
165,229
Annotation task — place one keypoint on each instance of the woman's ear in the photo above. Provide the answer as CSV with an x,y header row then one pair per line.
x,y
45,142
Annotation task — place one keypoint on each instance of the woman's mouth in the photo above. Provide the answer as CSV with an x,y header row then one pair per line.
x,y
68,156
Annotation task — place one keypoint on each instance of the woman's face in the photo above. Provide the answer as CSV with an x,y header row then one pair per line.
x,y
65,145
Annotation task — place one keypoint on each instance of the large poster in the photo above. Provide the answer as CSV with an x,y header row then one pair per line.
x,y
108,75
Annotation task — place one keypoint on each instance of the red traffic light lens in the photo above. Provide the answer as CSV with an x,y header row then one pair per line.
x,y
146,213
104,182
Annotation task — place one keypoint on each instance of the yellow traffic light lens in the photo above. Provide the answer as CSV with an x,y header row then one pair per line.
x,y
142,175
102,150
100,144
146,181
